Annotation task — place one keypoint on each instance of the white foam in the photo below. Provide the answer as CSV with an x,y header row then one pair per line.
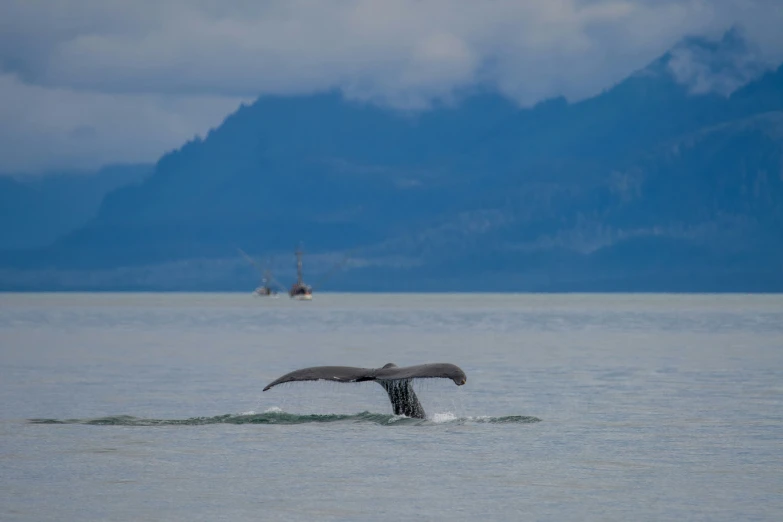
x,y
251,412
273,409
443,417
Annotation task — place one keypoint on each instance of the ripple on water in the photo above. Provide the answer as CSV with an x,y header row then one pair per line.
x,y
277,416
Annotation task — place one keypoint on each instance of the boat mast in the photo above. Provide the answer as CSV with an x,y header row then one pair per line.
x,y
299,279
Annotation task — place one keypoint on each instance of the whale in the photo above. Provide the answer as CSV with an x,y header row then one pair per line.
x,y
394,379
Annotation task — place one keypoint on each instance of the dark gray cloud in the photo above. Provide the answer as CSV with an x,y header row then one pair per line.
x,y
168,69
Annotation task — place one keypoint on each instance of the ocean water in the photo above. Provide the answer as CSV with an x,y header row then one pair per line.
x,y
577,407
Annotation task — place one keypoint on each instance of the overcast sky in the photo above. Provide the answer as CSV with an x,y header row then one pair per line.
x,y
88,82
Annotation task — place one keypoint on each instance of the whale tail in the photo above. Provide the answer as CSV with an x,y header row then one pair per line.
x,y
395,380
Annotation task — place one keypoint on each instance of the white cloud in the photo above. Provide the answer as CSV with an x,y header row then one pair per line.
x,y
719,68
50,128
180,61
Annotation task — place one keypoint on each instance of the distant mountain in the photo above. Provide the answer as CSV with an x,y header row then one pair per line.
x,y
36,210
330,173
669,180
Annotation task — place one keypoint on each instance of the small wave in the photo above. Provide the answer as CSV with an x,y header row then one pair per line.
x,y
510,419
440,418
277,416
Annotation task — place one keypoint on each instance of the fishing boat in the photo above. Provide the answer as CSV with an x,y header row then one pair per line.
x,y
265,289
300,290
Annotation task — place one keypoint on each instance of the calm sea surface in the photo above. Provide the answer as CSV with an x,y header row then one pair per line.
x,y
577,407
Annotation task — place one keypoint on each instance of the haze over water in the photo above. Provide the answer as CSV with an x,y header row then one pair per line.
x,y
576,407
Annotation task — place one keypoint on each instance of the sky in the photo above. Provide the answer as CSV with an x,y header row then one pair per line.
x,y
85,83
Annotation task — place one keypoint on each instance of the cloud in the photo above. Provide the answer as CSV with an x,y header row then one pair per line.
x,y
716,67
157,55
53,128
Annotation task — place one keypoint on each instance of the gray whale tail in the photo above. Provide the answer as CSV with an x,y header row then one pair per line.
x,y
395,380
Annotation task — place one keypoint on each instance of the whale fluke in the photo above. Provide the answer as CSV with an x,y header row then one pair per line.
x,y
395,380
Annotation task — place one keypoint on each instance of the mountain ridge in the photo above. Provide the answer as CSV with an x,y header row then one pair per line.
x,y
645,179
